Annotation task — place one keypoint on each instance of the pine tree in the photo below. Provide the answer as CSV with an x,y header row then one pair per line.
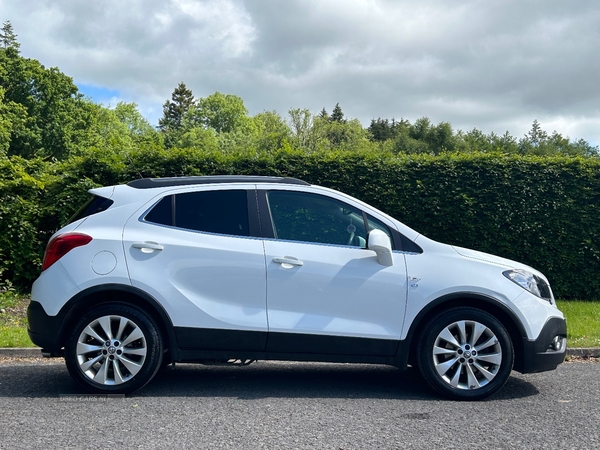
x,y
8,38
380,130
337,115
174,110
536,135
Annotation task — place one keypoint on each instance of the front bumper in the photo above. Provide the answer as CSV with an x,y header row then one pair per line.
x,y
541,355
43,329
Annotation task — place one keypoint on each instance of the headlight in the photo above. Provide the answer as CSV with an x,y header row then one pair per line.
x,y
530,282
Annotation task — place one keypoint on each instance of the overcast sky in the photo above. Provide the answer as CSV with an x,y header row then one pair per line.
x,y
491,64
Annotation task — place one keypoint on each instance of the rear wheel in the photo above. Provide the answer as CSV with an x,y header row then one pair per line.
x,y
114,349
465,354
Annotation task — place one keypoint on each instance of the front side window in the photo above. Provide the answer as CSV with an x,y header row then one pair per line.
x,y
375,224
222,212
307,217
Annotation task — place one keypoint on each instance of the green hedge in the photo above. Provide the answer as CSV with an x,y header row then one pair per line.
x,y
541,211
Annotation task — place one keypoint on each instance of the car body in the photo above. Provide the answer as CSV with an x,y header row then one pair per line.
x,y
241,268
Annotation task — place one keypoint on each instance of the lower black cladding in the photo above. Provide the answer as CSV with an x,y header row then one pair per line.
x,y
42,328
218,339
196,344
537,354
335,345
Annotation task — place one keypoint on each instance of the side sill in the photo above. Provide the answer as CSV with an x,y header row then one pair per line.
x,y
198,345
199,356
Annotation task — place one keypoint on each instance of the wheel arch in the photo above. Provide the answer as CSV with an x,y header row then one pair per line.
x,y
508,318
110,293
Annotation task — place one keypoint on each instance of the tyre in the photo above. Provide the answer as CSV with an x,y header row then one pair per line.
x,y
114,349
465,354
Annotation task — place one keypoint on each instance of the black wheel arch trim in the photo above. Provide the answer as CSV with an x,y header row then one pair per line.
x,y
67,313
471,299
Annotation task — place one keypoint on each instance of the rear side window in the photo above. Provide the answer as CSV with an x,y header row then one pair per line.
x,y
94,205
222,212
162,213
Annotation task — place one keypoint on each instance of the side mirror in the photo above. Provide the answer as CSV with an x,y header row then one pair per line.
x,y
379,242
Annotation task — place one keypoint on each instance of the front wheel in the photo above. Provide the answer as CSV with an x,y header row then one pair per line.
x,y
114,349
465,354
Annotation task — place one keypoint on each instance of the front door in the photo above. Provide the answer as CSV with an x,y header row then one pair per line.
x,y
327,293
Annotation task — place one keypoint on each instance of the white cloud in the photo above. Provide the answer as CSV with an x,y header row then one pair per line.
x,y
496,64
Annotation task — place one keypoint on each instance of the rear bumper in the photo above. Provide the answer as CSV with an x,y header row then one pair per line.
x,y
42,328
540,355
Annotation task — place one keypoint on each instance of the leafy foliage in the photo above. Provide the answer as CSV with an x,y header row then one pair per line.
x,y
538,210
532,199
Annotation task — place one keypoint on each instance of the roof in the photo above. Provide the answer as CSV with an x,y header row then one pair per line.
x,y
148,183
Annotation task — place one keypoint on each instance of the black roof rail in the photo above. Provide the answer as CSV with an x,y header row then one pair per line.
x,y
149,183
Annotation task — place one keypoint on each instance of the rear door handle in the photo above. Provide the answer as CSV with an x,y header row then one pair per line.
x,y
288,261
147,247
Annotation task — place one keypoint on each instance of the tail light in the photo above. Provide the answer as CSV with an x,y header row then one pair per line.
x,y
62,244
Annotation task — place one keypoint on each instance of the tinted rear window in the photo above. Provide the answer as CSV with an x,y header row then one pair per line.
x,y
222,212
94,205
162,213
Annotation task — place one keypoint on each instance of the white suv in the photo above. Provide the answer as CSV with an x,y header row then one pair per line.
x,y
240,268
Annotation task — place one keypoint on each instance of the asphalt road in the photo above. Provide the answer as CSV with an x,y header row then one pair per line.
x,y
297,405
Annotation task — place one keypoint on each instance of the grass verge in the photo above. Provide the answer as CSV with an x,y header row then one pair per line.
x,y
13,321
583,322
14,337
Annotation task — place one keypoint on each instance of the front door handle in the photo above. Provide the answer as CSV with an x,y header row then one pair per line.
x,y
147,247
288,261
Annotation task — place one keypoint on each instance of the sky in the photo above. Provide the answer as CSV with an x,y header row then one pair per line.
x,y
495,65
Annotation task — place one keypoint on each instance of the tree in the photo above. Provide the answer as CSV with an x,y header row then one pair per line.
x,y
421,129
324,114
301,124
536,136
583,147
223,113
8,38
198,137
505,143
337,115
13,122
347,135
175,109
272,131
404,143
441,139
50,107
382,130
103,131
140,130
538,142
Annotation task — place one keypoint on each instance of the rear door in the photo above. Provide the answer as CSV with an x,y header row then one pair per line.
x,y
198,252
